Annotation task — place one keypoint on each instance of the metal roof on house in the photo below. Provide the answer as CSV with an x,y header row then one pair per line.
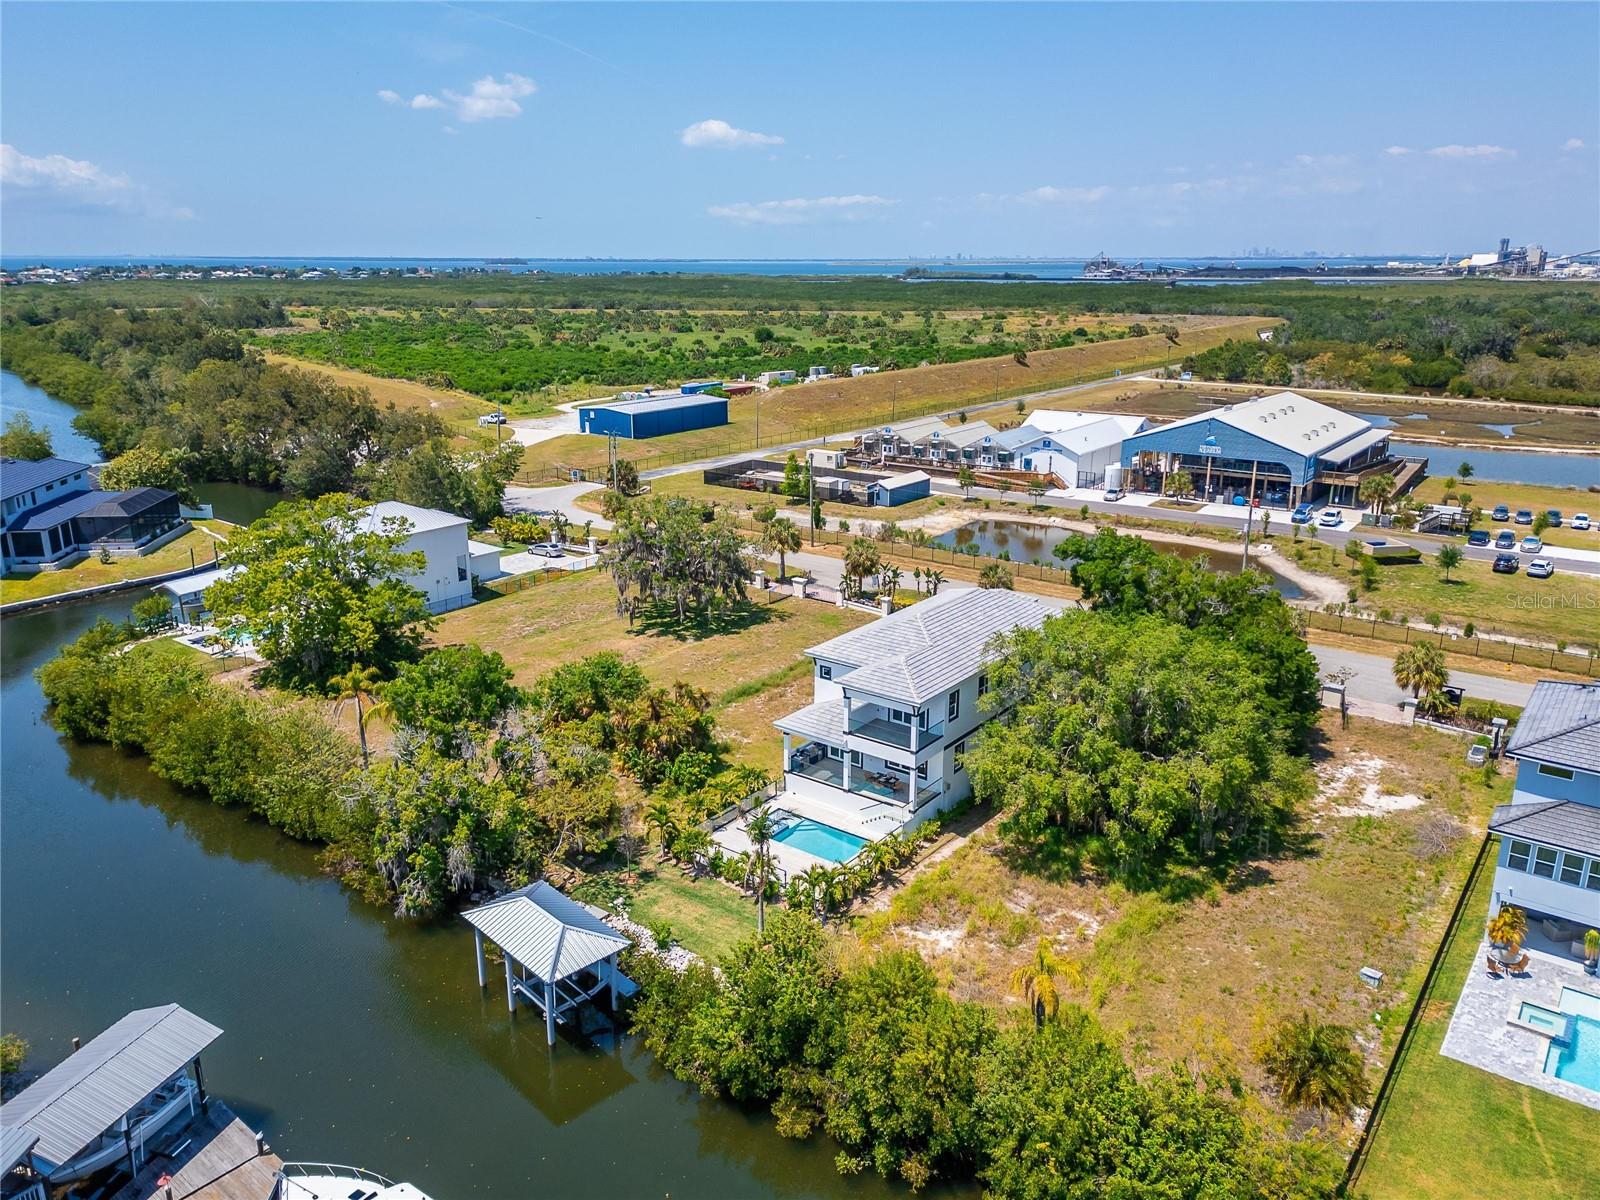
x,y
56,511
15,1143
1565,824
1287,419
420,519
931,646
1560,726
823,720
665,400
550,934
18,475
1090,432
904,479
912,431
75,1102
194,585
971,434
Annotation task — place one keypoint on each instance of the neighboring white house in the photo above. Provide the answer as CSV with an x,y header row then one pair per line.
x,y
452,560
880,747
1075,446
1549,861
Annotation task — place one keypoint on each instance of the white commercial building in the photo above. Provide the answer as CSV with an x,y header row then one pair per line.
x,y
1076,447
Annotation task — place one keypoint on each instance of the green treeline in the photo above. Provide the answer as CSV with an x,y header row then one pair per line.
x,y
181,381
920,1087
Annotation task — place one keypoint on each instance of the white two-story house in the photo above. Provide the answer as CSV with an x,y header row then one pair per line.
x,y
1549,863
880,747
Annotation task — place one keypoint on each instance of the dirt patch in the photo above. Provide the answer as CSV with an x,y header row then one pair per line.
x,y
1358,783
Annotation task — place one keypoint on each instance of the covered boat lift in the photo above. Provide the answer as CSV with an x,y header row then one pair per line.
x,y
551,943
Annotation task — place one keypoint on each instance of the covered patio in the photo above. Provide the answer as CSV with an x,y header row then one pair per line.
x,y
558,953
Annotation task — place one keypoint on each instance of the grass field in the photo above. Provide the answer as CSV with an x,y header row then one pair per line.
x,y
91,572
814,410
1453,1132
456,408
703,915
748,666
1204,964
1561,608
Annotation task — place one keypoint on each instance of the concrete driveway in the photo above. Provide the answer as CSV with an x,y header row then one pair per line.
x,y
1373,692
560,498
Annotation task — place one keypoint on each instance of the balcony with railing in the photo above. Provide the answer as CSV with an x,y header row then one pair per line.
x,y
872,780
870,721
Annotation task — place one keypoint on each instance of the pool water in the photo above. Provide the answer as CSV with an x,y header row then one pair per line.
x,y
819,840
1578,1061
1535,1017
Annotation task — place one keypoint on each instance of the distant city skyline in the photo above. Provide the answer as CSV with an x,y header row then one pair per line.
x,y
794,131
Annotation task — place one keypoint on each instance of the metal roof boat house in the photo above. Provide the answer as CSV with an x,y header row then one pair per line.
x,y
1284,448
558,952
107,1101
1549,858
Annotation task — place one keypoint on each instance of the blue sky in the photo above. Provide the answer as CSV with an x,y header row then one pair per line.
x,y
798,130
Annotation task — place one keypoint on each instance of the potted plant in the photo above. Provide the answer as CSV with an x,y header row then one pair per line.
x,y
1591,951
1506,930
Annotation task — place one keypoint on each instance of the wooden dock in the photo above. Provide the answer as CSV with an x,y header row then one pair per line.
x,y
215,1157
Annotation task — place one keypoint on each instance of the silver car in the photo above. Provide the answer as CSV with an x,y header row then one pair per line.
x,y
1541,568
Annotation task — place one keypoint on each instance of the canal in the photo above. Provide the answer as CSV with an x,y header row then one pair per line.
x,y
351,1036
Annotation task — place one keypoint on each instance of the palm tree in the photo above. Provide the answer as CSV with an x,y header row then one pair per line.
x,y
559,523
993,575
659,816
1316,1065
760,828
916,573
1041,980
359,683
813,885
1377,489
780,536
1421,668
860,560
889,579
935,579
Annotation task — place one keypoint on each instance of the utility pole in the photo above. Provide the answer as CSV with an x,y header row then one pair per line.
x,y
758,420
811,505
611,450
1244,563
894,390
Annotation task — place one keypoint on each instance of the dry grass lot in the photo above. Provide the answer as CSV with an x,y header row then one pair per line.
x,y
753,668
91,572
814,409
1207,963
456,408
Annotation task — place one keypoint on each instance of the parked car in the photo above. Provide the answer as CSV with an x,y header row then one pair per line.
x,y
1114,494
1580,520
1524,516
1478,537
1502,512
547,550
1505,540
1541,568
1330,517
1532,544
1301,515
1275,497
1555,517
1506,564
494,418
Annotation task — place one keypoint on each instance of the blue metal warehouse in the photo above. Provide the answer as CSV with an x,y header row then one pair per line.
x,y
899,489
652,416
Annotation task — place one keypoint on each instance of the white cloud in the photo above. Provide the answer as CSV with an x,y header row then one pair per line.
x,y
1324,160
489,99
1573,144
719,135
76,182
1064,195
1481,150
1397,151
801,211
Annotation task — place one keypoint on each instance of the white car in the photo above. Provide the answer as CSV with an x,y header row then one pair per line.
x,y
1580,520
494,418
1541,568
1330,517
1532,544
547,549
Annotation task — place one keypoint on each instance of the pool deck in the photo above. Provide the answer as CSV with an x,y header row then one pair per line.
x,y
792,859
1482,1036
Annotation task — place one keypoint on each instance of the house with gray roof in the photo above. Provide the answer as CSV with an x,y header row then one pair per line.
x,y
1549,859
894,706
52,511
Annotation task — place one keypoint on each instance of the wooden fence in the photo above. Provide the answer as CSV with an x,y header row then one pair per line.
x,y
1577,662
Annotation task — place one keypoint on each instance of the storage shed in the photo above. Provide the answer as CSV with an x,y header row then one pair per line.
x,y
899,489
653,416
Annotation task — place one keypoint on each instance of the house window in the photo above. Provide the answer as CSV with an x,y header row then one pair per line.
x,y
1594,875
922,772
983,685
824,671
1555,772
1517,860
835,753
922,718
894,766
899,716
1544,862
461,568
958,753
856,760
955,705
1572,869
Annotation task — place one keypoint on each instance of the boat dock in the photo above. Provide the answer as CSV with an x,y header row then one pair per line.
x,y
217,1157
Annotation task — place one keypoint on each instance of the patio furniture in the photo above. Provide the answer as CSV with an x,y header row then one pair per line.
x,y
1519,967
1494,967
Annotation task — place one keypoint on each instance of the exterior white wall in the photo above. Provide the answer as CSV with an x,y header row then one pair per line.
x,y
447,560
1543,895
827,689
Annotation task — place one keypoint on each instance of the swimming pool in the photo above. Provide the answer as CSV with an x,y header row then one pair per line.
x,y
1576,1057
819,840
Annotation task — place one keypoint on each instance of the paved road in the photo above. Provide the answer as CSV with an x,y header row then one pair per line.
x,y
562,497
1373,682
